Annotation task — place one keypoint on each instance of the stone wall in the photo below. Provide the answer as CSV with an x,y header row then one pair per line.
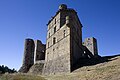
x,y
37,67
57,59
76,37
63,47
39,52
62,53
91,45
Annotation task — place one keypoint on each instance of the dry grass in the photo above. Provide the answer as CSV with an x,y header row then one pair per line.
x,y
20,77
103,71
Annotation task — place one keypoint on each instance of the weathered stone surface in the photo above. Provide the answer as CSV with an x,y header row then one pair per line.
x,y
64,48
28,58
91,46
39,52
57,66
64,42
37,68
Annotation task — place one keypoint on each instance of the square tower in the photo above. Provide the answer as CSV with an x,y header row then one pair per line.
x,y
64,41
91,45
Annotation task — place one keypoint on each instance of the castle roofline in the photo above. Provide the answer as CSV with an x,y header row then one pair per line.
x,y
91,38
69,9
29,39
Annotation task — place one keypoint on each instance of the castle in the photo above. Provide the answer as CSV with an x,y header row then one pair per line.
x,y
64,46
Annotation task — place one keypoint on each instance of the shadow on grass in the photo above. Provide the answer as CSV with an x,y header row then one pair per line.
x,y
93,61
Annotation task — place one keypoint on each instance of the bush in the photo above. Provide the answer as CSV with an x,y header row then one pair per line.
x,y
4,69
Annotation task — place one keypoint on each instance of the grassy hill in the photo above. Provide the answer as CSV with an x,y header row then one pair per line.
x,y
108,68
19,76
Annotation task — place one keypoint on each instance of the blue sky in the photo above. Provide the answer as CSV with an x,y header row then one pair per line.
x,y
20,19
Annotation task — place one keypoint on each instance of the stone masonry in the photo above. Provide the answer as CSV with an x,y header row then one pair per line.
x,y
64,47
91,45
64,41
34,51
28,59
39,52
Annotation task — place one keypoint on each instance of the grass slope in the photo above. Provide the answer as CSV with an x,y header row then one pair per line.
x,y
107,70
19,76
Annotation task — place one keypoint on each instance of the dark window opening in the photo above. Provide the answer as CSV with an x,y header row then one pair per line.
x,y
53,49
37,56
64,33
27,43
88,38
55,21
54,40
54,29
48,35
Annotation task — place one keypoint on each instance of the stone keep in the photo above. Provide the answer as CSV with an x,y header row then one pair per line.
x,y
64,41
91,45
63,49
28,58
39,52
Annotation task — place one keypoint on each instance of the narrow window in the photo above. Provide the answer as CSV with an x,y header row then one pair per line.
x,y
55,21
27,43
53,49
54,29
54,40
37,56
48,44
49,35
64,33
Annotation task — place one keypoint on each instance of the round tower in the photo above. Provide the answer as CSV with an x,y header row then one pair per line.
x,y
28,58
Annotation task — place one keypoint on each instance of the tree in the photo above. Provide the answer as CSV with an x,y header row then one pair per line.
x,y
4,69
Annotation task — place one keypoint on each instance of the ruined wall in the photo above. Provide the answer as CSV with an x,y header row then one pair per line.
x,y
28,58
91,45
39,52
